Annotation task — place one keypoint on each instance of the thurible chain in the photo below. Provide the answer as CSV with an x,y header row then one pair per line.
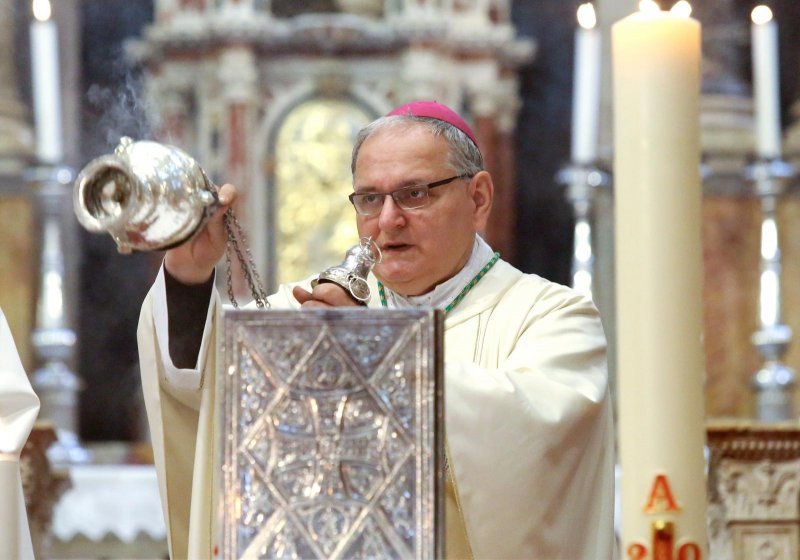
x,y
236,240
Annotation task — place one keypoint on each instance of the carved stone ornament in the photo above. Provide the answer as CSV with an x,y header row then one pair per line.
x,y
331,426
754,483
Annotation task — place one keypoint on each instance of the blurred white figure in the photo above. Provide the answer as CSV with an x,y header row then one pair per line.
x,y
19,407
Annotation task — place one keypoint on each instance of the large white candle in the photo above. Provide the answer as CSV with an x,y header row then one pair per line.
x,y
586,87
656,73
46,91
766,98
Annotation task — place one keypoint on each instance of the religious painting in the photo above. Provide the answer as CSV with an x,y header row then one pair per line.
x,y
314,221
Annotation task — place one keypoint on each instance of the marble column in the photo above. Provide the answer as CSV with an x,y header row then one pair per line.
x,y
198,5
422,68
238,77
789,224
502,221
166,9
789,217
486,132
173,122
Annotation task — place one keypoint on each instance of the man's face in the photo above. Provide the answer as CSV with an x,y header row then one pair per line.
x,y
426,246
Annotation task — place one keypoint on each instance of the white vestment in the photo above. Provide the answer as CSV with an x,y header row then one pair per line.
x,y
19,407
527,418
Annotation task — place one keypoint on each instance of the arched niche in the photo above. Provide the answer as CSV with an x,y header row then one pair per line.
x,y
312,223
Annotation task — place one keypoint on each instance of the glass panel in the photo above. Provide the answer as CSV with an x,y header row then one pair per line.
x,y
315,221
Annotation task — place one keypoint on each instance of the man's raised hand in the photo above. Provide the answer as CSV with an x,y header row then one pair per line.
x,y
194,261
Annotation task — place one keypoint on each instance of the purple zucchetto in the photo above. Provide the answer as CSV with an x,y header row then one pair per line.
x,y
434,110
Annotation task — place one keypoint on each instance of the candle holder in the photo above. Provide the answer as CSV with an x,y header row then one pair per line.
x,y
581,180
53,340
774,382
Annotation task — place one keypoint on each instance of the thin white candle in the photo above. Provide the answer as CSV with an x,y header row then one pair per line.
x,y
586,84
46,91
656,71
766,98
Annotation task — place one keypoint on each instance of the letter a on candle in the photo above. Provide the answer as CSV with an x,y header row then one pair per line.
x,y
661,499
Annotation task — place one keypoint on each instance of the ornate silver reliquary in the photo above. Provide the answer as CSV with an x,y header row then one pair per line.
x,y
331,425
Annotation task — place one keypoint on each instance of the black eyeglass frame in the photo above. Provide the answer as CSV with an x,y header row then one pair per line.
x,y
426,186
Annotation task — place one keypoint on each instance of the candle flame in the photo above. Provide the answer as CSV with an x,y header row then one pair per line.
x,y
586,16
761,15
648,6
42,10
682,8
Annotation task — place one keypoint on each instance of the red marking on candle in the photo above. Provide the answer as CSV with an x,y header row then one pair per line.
x,y
661,499
662,549
637,551
690,551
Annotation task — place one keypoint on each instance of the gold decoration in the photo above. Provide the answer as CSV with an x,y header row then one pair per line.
x,y
315,221
663,535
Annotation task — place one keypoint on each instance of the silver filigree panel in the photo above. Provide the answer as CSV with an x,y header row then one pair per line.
x,y
332,434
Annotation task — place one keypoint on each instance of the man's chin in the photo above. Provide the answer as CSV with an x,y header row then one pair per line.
x,y
398,283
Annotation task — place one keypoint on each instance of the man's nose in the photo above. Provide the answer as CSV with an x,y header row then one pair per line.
x,y
391,216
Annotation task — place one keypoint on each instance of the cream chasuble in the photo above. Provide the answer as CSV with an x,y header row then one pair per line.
x,y
528,422
19,407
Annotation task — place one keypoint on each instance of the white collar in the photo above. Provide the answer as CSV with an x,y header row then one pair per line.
x,y
441,296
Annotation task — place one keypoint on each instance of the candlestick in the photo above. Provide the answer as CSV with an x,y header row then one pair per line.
x,y
586,84
764,33
774,382
656,66
53,340
46,91
581,181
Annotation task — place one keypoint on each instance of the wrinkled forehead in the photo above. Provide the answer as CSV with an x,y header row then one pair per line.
x,y
399,127
403,143
388,166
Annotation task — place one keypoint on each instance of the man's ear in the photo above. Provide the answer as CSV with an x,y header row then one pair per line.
x,y
482,192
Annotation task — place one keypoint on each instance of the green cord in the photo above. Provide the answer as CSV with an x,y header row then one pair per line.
x,y
460,296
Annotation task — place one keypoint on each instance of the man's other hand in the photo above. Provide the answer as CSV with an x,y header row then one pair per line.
x,y
324,294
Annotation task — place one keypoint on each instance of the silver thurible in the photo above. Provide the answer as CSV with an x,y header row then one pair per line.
x,y
147,196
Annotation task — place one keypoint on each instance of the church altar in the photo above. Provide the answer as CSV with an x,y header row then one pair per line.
x,y
111,511
114,511
106,509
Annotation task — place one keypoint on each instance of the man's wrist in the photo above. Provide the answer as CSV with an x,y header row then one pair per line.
x,y
187,307
194,277
174,283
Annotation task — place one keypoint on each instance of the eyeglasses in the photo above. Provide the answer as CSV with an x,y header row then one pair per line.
x,y
407,198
